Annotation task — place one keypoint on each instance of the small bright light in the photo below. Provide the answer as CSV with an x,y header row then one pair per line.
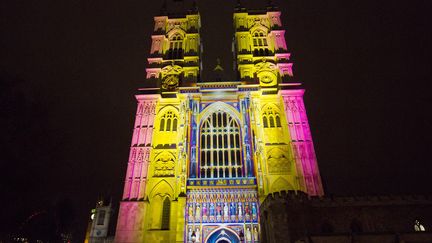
x,y
418,226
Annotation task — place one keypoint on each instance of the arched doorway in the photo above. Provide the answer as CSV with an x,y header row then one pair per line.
x,y
223,235
223,240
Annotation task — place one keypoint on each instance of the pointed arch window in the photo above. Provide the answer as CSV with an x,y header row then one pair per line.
x,y
162,124
168,125
166,210
265,122
272,123
221,152
174,125
271,118
176,47
260,44
259,39
278,121
168,122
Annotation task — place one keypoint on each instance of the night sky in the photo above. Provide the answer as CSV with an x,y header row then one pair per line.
x,y
69,70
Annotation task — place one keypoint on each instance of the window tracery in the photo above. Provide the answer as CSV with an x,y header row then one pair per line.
x,y
168,122
260,45
259,39
164,165
271,118
220,147
175,50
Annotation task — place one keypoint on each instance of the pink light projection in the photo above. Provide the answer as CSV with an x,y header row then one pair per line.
x,y
301,140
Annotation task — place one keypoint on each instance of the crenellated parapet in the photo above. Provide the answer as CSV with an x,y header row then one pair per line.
x,y
293,196
295,215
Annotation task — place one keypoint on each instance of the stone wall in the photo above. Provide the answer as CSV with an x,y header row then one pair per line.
x,y
292,216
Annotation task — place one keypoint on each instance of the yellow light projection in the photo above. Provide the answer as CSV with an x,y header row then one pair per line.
x,y
205,154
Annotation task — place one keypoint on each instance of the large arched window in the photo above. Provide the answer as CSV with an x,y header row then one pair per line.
x,y
176,47
220,147
168,122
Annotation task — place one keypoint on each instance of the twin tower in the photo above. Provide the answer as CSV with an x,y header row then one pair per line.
x,y
204,155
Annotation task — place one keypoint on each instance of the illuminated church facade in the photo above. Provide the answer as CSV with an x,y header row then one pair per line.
x,y
205,154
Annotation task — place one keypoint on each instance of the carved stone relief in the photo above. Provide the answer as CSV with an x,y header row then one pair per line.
x,y
164,165
278,161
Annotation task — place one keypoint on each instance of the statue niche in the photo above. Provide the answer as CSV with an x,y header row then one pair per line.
x,y
164,165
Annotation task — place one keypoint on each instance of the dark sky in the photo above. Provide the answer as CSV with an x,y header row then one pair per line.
x,y
69,70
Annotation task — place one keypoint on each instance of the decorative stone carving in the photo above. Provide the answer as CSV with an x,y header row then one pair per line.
x,y
266,72
174,25
171,69
170,82
140,155
258,22
170,76
278,161
164,165
292,105
280,185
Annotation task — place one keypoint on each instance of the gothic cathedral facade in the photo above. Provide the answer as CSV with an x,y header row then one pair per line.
x,y
204,155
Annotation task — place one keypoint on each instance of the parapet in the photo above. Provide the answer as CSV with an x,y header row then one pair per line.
x,y
294,196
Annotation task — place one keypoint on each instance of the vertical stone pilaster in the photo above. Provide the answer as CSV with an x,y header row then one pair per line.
x,y
140,147
130,225
301,141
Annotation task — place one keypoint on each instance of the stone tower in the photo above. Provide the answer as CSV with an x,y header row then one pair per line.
x,y
282,131
99,222
205,154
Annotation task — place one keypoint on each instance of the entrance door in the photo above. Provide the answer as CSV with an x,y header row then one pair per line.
x,y
223,241
223,235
